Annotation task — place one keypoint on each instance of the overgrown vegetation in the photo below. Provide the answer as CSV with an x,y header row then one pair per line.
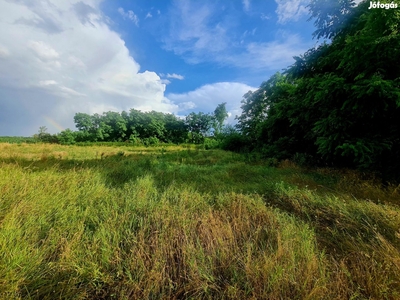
x,y
338,105
96,218
17,139
139,128
181,222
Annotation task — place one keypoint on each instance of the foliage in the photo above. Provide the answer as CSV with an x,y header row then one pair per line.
x,y
339,102
17,139
132,126
45,137
331,17
211,143
232,140
139,128
220,115
199,126
67,137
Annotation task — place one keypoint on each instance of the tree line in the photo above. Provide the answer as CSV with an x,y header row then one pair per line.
x,y
139,127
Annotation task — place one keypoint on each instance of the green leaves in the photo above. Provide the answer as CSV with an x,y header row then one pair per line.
x,y
339,102
133,126
220,115
199,126
330,16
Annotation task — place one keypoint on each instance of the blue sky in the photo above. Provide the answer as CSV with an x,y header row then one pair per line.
x,y
62,57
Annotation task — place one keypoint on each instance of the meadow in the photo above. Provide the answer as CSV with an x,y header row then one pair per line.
x,y
181,222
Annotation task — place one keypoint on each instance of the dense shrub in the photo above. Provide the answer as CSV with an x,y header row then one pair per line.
x,y
211,143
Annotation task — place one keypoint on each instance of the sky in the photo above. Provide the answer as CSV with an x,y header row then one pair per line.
x,y
61,57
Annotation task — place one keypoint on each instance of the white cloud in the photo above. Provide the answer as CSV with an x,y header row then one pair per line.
x,y
276,54
130,15
149,15
194,33
197,37
4,52
176,76
165,81
264,17
291,10
43,51
246,5
47,82
62,59
207,97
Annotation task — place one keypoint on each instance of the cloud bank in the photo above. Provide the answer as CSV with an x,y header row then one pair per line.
x,y
208,96
60,57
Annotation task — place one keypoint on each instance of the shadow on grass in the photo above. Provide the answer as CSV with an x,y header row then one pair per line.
x,y
211,171
205,171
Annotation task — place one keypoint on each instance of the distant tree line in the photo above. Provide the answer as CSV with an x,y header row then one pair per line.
x,y
139,127
339,103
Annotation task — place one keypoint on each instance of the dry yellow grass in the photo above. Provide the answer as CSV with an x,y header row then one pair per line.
x,y
169,225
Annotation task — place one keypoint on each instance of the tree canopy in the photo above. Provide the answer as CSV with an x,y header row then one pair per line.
x,y
140,127
340,102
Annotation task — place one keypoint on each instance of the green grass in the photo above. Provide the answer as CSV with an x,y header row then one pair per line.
x,y
184,223
17,139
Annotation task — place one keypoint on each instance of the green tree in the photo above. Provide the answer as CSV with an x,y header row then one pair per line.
x,y
220,115
44,136
84,123
331,16
199,126
176,130
66,137
117,126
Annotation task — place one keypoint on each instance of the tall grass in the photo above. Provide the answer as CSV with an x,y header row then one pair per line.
x,y
184,223
18,139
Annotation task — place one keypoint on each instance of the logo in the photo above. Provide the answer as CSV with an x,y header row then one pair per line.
x,y
382,5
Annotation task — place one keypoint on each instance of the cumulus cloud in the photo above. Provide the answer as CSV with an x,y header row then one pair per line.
x,y
59,58
291,10
130,15
84,12
207,97
43,51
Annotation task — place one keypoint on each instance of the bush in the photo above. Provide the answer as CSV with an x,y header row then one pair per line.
x,y
151,141
46,138
235,142
211,144
66,137
17,139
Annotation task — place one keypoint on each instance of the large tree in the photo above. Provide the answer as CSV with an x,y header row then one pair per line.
x,y
338,102
199,125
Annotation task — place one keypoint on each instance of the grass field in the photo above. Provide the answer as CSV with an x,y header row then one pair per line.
x,y
184,223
